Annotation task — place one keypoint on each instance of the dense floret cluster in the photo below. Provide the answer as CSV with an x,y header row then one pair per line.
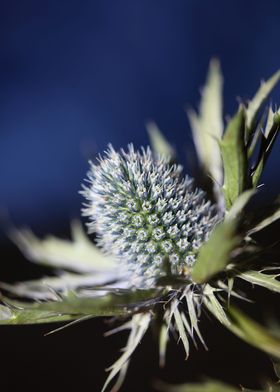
x,y
145,213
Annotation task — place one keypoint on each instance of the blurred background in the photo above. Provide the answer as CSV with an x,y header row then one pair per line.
x,y
76,75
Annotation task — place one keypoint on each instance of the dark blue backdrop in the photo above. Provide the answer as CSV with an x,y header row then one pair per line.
x,y
75,75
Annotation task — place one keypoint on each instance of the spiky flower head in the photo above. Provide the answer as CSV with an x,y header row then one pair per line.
x,y
146,214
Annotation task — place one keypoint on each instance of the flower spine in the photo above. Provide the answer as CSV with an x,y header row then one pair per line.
x,y
146,214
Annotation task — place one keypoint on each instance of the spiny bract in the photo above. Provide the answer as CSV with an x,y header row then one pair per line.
x,y
146,214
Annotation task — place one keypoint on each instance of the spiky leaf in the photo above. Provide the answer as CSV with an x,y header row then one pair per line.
x,y
158,141
253,333
234,158
214,306
268,139
259,278
214,255
138,325
270,215
207,126
72,305
239,204
276,366
11,315
46,288
256,103
79,255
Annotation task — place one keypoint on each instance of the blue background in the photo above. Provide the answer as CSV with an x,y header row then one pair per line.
x,y
76,75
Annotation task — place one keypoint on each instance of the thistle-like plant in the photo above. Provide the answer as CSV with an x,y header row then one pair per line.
x,y
146,215
164,252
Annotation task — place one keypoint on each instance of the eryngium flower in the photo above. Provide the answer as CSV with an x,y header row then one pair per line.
x,y
146,214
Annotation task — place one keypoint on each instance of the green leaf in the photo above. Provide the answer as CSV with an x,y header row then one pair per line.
x,y
261,279
46,288
269,217
234,158
72,305
138,325
256,103
269,122
276,366
181,330
163,340
19,316
253,143
253,333
159,142
268,140
79,255
215,254
214,306
239,204
207,386
207,126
